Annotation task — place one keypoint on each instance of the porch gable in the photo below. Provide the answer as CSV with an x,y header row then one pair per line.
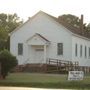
x,y
37,39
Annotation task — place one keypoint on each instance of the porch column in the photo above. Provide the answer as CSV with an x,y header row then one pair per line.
x,y
44,53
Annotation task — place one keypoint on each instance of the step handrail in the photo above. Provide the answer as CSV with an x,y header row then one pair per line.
x,y
57,61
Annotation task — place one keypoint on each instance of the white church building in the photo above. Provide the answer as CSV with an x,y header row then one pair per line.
x,y
43,37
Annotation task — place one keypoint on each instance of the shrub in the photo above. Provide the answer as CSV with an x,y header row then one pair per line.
x,y
7,61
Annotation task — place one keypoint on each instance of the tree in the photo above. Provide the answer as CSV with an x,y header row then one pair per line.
x,y
13,21
7,24
3,38
7,62
88,27
72,20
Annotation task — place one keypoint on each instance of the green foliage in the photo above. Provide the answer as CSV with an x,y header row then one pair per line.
x,y
7,24
13,21
3,38
7,62
72,20
88,28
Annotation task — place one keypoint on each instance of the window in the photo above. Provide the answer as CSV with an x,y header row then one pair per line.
x,y
80,50
60,48
89,51
85,51
20,49
75,49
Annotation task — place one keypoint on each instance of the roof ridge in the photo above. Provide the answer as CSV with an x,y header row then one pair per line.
x,y
69,27
66,25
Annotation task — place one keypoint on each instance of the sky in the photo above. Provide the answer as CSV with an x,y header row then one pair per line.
x,y
27,8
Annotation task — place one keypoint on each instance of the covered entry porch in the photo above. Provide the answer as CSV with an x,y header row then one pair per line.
x,y
37,49
37,54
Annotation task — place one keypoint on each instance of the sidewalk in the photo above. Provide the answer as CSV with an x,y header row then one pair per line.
x,y
24,88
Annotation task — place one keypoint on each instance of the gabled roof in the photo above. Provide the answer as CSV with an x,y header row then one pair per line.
x,y
39,36
69,27
66,25
42,37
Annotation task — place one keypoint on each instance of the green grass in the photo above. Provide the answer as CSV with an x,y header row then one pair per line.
x,y
44,81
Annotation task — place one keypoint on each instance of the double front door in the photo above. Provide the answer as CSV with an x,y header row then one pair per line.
x,y
39,55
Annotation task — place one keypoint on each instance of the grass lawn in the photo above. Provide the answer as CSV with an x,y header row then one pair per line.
x,y
44,81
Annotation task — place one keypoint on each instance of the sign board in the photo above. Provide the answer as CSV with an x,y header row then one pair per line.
x,y
75,75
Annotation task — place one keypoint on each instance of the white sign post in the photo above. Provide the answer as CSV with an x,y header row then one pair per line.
x,y
75,75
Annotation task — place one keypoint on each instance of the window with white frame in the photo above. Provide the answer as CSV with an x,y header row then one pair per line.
x,y
80,50
85,51
59,48
20,48
76,49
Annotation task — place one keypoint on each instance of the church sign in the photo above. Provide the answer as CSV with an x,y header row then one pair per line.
x,y
75,75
